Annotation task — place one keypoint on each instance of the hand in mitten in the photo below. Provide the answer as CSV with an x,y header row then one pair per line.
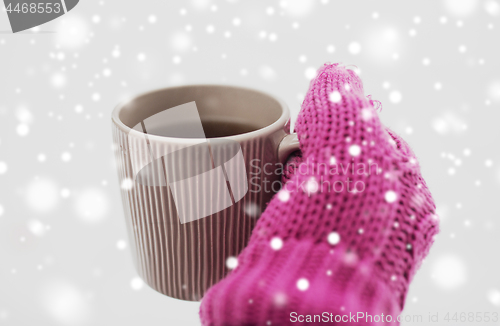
x,y
347,231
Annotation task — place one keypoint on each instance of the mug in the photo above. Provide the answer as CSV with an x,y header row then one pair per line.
x,y
191,202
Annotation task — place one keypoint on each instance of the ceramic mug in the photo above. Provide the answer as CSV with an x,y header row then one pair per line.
x,y
191,201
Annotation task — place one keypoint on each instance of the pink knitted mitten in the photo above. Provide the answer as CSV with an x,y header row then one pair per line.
x,y
344,237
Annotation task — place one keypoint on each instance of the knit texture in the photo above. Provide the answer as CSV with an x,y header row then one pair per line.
x,y
348,230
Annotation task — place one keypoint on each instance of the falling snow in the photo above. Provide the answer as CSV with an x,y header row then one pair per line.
x,y
354,150
395,96
91,205
449,272
390,196
121,244
461,8
65,303
3,167
335,97
276,243
354,48
42,195
302,284
494,297
283,195
136,283
333,238
231,262
310,72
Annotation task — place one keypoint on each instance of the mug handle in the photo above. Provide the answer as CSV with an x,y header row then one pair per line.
x,y
288,145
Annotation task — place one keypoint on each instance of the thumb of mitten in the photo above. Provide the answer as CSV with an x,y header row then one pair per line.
x,y
335,112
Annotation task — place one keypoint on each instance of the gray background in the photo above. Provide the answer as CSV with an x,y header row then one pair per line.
x,y
64,254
